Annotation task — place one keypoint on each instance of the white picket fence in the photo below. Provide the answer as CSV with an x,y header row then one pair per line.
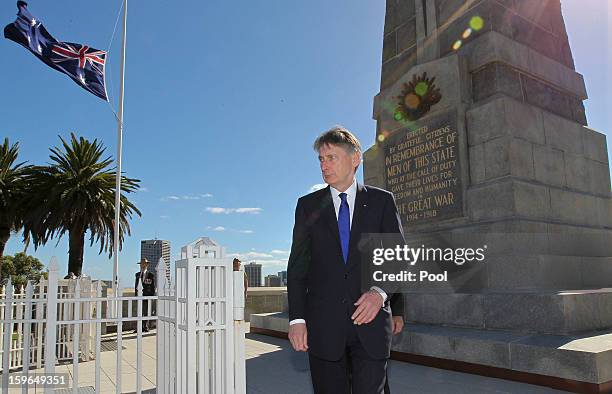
x,y
200,337
65,290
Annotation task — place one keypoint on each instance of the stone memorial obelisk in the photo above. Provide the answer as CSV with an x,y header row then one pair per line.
x,y
481,132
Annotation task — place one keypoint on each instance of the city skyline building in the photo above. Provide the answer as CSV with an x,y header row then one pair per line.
x,y
154,250
253,271
272,281
282,275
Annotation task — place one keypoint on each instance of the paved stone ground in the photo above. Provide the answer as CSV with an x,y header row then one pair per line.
x,y
274,368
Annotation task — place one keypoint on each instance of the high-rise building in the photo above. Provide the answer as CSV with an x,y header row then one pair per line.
x,y
253,271
283,278
153,250
272,281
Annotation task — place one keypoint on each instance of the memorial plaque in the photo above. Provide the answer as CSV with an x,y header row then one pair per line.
x,y
422,169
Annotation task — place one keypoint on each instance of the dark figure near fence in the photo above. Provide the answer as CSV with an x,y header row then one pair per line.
x,y
147,278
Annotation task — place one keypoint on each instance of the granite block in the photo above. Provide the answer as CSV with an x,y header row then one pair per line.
x,y
562,134
501,18
583,311
605,213
543,41
488,348
509,272
406,10
549,165
544,354
434,309
389,46
595,146
571,240
529,312
446,9
465,310
430,343
576,172
540,12
572,207
524,121
497,157
599,178
486,122
531,200
390,16
477,164
559,272
491,201
596,272
406,35
397,66
545,96
521,156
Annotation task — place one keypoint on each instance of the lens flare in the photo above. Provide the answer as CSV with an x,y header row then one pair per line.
x,y
381,137
398,116
466,34
457,45
421,88
476,23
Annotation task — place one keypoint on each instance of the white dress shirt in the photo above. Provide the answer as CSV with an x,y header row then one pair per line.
x,y
351,193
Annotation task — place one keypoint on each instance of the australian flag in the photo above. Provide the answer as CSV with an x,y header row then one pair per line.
x,y
85,65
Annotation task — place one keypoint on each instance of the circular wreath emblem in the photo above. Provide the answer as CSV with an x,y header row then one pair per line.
x,y
417,98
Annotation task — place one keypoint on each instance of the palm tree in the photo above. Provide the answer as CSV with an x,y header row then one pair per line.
x,y
12,192
75,194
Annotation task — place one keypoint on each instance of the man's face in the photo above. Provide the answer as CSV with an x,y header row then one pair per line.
x,y
338,166
143,266
236,265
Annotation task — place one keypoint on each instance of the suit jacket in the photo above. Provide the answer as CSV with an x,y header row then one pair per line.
x,y
322,288
148,284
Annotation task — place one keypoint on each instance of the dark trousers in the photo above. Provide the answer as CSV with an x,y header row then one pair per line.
x,y
356,372
145,310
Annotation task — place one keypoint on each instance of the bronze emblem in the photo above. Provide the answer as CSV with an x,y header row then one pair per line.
x,y
417,98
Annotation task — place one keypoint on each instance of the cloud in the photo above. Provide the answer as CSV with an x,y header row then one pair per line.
x,y
143,189
251,255
164,217
254,211
316,187
187,197
222,228
220,210
278,251
171,198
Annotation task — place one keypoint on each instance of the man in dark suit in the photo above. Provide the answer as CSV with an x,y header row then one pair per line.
x,y
147,278
347,331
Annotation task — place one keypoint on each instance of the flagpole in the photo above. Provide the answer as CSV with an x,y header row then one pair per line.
x,y
119,149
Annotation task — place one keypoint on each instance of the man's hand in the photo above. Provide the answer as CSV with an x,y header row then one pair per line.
x,y
398,324
298,336
368,306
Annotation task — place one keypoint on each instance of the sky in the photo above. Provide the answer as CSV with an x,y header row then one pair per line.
x,y
222,103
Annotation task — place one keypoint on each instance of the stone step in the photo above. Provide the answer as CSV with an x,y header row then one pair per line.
x,y
561,312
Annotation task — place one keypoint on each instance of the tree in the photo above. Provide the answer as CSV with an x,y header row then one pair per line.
x,y
75,194
12,193
21,268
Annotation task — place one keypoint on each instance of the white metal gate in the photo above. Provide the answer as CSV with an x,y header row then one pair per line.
x,y
200,336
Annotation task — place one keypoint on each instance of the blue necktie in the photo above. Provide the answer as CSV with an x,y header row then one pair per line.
x,y
344,226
